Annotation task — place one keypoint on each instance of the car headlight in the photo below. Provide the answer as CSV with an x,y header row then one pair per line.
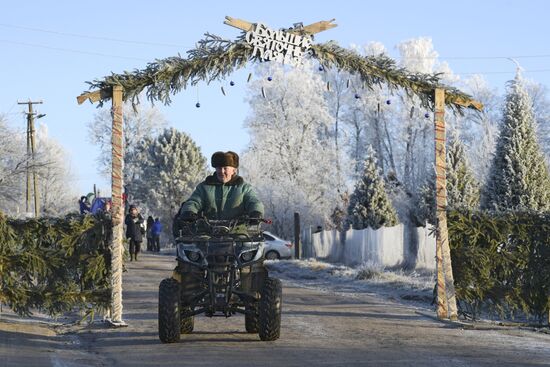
x,y
248,255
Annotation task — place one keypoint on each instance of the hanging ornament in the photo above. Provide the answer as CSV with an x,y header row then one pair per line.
x,y
232,83
347,84
223,91
269,78
427,115
197,104
249,77
328,86
357,96
388,101
321,68
263,92
412,112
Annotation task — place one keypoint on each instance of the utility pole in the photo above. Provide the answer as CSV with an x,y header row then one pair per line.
x,y
30,154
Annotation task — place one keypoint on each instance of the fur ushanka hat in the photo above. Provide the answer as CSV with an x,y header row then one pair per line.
x,y
227,159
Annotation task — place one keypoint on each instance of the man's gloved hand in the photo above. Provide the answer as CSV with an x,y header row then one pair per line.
x,y
255,218
189,216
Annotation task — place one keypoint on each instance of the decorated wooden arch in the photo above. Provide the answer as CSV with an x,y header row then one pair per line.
x,y
215,58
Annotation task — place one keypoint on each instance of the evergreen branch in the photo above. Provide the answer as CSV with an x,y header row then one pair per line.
x,y
380,69
215,58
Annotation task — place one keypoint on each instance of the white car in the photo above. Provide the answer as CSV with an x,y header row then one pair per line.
x,y
276,248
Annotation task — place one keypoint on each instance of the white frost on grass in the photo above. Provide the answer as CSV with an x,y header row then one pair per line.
x,y
410,287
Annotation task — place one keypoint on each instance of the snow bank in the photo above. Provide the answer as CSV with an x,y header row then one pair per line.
x,y
408,286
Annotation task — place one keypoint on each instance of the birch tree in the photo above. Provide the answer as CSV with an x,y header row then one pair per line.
x,y
291,159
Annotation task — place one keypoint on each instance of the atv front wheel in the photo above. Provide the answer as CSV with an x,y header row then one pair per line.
x,y
270,309
169,311
251,318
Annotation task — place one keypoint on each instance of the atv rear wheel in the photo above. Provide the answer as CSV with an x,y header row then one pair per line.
x,y
169,311
251,318
270,309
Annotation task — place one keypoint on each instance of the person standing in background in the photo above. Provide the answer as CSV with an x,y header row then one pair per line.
x,y
135,229
156,230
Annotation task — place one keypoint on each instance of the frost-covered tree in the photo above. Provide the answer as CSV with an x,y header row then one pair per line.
x,y
13,162
369,204
478,130
171,165
519,178
50,164
541,110
462,187
291,158
139,123
55,178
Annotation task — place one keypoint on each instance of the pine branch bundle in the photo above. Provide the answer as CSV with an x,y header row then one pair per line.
x,y
501,262
55,264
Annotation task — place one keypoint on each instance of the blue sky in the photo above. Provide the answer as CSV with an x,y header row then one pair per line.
x,y
50,49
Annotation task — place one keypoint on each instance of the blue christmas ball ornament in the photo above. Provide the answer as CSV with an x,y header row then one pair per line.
x,y
427,115
197,105
232,83
388,101
269,78
357,96
321,68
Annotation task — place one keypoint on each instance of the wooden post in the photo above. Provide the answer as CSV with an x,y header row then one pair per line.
x,y
446,299
117,207
34,178
297,244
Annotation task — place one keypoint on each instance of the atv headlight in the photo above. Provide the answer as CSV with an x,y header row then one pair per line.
x,y
193,255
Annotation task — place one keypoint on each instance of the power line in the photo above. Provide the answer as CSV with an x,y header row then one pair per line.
x,y
72,50
504,72
92,37
479,57
183,46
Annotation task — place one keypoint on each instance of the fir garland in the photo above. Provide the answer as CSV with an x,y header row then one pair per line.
x,y
215,58
55,264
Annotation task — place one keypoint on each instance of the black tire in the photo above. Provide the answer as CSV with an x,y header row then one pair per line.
x,y
186,323
251,319
272,255
271,299
169,311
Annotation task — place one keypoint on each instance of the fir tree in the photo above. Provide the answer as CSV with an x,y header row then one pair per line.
x,y
462,187
369,203
171,166
519,178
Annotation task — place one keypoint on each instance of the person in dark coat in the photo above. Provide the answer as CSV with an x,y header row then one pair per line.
x,y
135,229
155,231
150,222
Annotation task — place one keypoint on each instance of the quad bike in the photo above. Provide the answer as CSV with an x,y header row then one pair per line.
x,y
220,271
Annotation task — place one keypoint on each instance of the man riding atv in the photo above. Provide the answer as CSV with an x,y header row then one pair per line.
x,y
220,258
223,195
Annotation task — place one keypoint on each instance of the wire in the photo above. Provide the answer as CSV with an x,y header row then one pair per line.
x,y
71,50
480,57
504,72
92,37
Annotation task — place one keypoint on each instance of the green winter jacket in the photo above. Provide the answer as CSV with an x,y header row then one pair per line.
x,y
217,200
